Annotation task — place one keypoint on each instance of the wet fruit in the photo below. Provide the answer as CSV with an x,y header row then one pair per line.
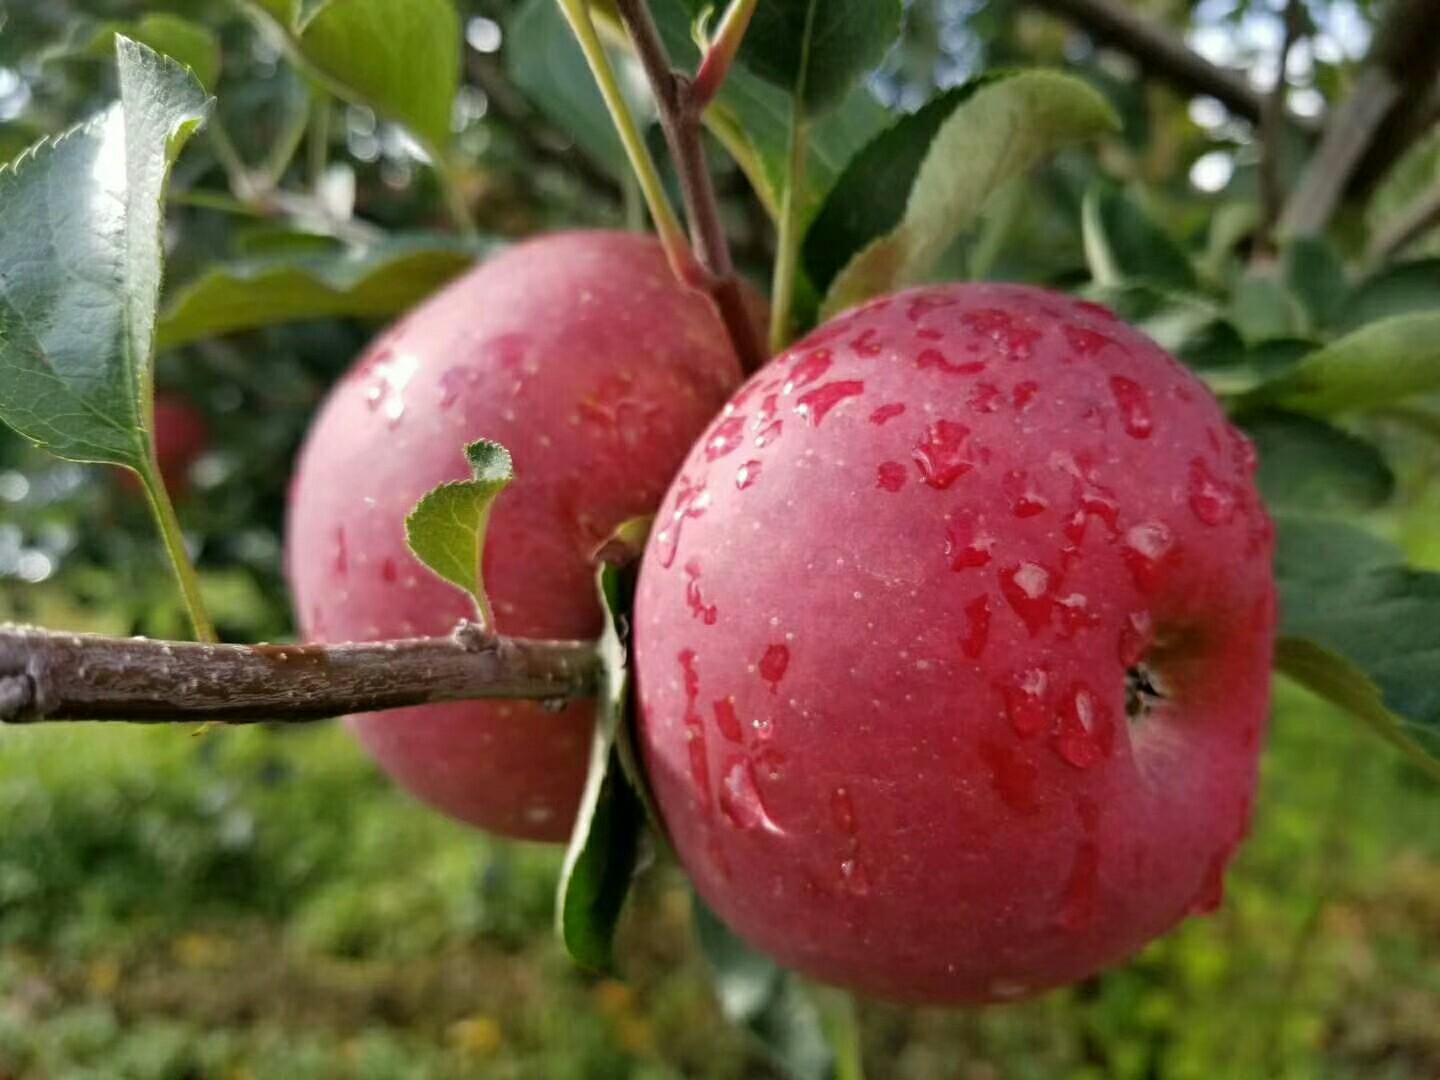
x,y
597,371
954,652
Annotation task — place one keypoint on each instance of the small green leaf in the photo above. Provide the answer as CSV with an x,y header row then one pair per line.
x,y
817,49
80,266
1379,364
765,1000
446,530
998,132
1315,274
1362,629
371,283
1263,309
184,41
548,67
400,57
1402,289
1123,243
605,844
1307,464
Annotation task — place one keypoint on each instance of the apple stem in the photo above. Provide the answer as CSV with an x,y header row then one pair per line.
x,y
720,55
48,676
681,103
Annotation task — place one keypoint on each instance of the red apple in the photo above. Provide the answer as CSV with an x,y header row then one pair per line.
x,y
953,645
581,354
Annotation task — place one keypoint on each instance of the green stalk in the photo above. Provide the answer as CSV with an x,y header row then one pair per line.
x,y
174,540
317,152
787,255
667,224
450,190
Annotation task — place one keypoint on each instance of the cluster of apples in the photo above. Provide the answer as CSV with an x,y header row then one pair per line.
x,y
952,637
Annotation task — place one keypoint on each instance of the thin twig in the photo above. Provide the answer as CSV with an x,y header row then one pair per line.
x,y
47,676
1272,129
1413,222
680,113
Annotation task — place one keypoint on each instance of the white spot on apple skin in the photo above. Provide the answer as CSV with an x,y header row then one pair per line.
x,y
1033,580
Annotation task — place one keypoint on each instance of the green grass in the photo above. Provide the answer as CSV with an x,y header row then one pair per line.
x,y
253,903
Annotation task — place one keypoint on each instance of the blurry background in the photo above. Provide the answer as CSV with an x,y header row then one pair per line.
x,y
257,903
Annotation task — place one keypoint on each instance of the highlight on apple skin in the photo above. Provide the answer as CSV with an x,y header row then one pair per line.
x,y
582,355
953,647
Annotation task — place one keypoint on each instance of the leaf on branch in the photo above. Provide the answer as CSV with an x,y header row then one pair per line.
x,y
80,266
371,283
995,131
1124,243
399,57
446,530
1362,630
818,49
1315,275
1379,364
184,41
766,1000
1307,464
1401,289
606,842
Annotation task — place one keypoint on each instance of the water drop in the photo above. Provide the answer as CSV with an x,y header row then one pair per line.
x,y
1023,396
815,405
1015,340
842,811
342,554
867,344
389,571
725,437
774,664
1025,701
810,368
986,398
691,501
965,547
854,878
1086,734
740,800
977,627
1012,776
1212,500
886,412
695,728
1148,547
1136,637
890,476
934,358
1086,342
1134,405
1026,587
747,474
1099,311
694,600
1077,908
943,454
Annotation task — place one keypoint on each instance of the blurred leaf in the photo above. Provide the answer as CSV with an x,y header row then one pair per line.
x,y
1362,630
375,283
1382,363
1307,464
766,1000
1262,309
605,844
1231,224
1401,289
446,530
1315,274
80,264
546,64
817,50
998,132
180,39
400,57
1123,243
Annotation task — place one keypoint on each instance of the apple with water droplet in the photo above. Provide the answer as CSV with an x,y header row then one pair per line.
x,y
582,355
953,647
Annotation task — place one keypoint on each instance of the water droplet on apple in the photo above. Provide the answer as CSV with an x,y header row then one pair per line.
x,y
943,454
774,664
816,405
726,719
842,811
1027,589
725,437
890,476
740,801
1211,499
1134,405
886,413
1025,701
977,627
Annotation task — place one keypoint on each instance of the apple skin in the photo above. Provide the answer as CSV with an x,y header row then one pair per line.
x,y
883,634
579,353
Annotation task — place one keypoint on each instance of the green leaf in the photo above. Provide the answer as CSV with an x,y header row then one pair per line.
x,y
765,1000
446,530
1362,630
1379,364
373,283
819,49
605,844
180,39
1306,464
1315,274
546,64
1124,243
400,57
998,132
80,266
1263,309
1401,289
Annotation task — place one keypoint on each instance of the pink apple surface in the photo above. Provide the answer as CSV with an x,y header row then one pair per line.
x,y
953,646
581,355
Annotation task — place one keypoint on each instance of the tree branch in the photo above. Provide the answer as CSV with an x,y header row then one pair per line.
x,y
1164,55
1272,129
1393,89
680,120
46,676
1422,215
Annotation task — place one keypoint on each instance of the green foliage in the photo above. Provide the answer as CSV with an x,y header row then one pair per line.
x,y
1124,244
180,39
371,283
1306,464
80,254
997,133
446,530
400,57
